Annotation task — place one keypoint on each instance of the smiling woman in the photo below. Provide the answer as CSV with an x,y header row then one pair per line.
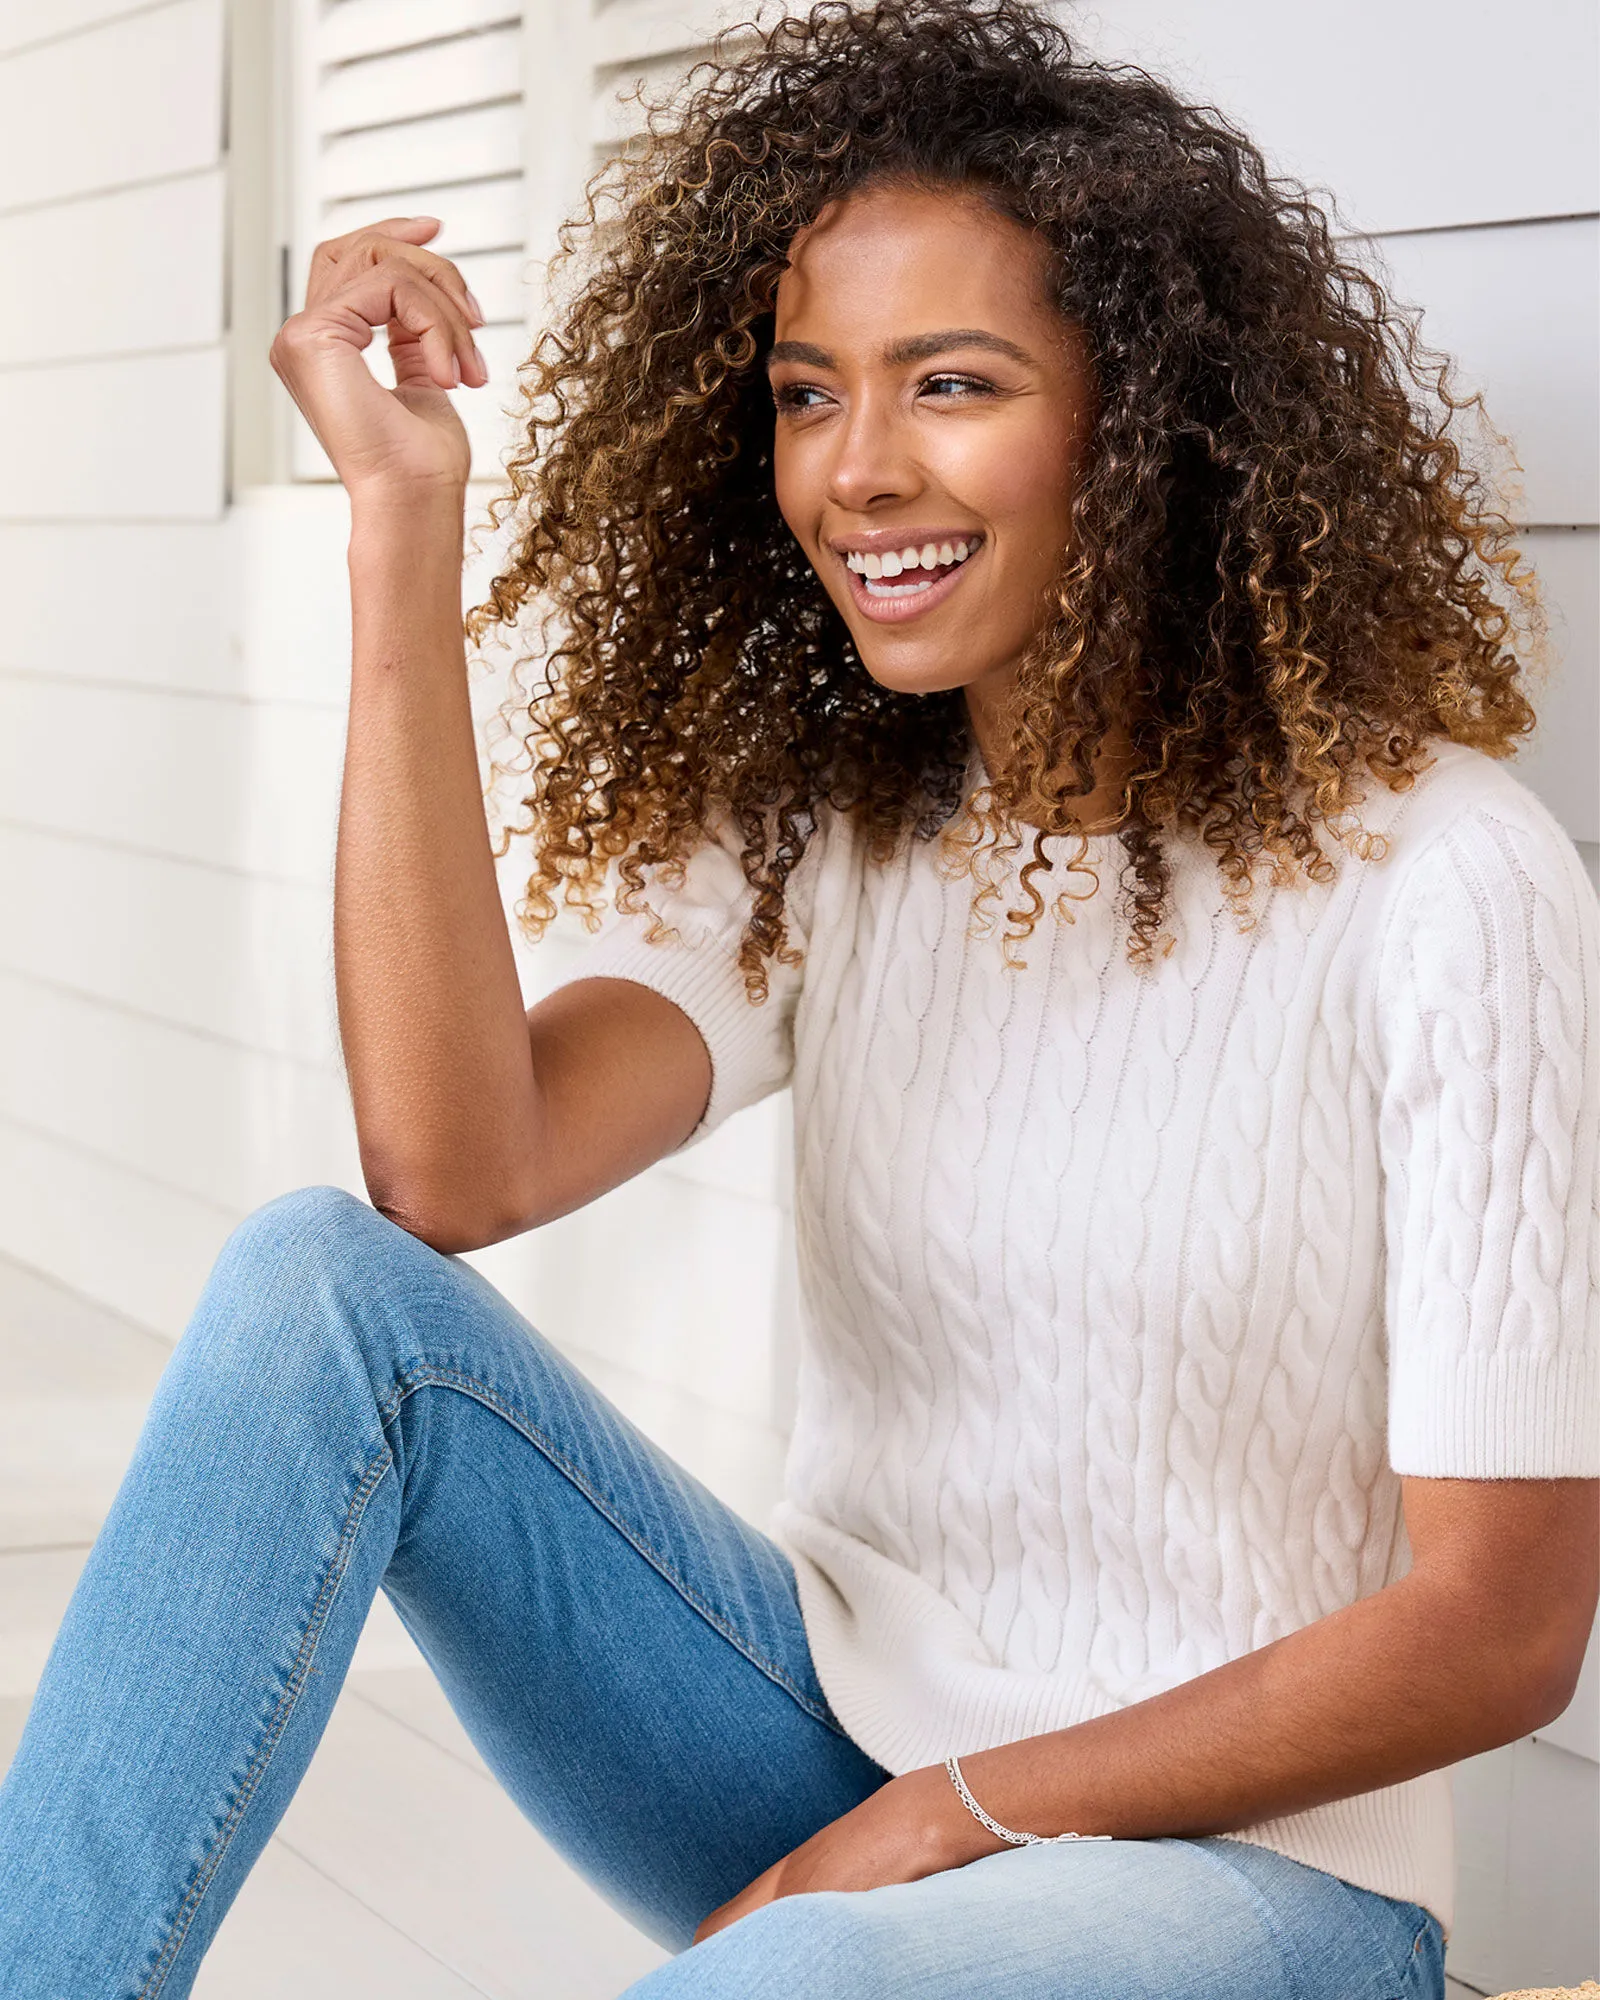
x,y
969,435
1245,570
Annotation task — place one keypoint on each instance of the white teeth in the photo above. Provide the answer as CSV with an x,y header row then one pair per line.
x,y
931,556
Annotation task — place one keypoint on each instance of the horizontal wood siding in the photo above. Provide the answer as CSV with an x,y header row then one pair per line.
x,y
138,99
131,271
139,437
112,485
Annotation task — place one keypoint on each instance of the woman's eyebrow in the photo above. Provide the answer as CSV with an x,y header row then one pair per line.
x,y
902,353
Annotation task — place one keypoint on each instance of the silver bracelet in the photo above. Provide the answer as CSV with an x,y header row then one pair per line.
x,y
953,1766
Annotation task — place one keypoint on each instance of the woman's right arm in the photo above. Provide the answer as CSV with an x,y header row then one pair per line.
x,y
474,1119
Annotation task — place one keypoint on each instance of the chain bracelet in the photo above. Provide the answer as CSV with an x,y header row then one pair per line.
x,y
953,1766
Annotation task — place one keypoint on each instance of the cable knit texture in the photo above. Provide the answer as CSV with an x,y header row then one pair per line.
x,y
1129,1296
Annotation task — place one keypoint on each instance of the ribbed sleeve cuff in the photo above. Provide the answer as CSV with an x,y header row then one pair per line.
x,y
711,991
1530,1414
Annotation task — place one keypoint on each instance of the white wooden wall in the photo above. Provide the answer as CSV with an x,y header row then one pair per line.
x,y
172,667
123,852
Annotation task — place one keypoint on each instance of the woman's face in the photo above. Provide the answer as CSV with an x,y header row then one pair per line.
x,y
930,399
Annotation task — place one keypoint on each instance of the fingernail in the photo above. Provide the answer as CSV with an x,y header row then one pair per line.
x,y
455,368
472,301
478,356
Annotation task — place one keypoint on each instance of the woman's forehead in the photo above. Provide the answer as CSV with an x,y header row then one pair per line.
x,y
882,253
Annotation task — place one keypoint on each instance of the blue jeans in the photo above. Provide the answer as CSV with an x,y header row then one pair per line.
x,y
349,1409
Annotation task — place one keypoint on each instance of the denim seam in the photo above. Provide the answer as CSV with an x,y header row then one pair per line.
x,y
287,1701
1269,1915
411,1380
1428,1921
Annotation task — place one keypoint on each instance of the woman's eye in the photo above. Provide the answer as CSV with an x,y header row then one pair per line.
x,y
798,396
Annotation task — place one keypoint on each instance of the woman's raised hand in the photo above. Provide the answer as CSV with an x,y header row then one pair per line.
x,y
379,438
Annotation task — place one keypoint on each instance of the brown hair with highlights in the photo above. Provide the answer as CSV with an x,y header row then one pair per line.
x,y
1283,576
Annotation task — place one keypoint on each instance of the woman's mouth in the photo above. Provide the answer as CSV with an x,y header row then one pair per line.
x,y
903,583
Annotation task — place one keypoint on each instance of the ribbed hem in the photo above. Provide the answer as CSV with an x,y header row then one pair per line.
x,y
909,1682
711,991
1524,1414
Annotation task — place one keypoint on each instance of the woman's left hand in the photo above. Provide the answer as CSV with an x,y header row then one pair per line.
x,y
912,1826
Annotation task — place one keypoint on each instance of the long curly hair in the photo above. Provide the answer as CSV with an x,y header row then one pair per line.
x,y
1283,575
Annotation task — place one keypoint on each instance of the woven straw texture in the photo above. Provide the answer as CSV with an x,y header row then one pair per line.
x,y
1589,1990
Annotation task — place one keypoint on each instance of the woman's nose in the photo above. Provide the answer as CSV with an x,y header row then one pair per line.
x,y
872,461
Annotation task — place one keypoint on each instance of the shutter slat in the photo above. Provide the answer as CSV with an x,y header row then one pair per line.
x,y
642,30
456,147
657,42
371,27
497,281
477,215
472,70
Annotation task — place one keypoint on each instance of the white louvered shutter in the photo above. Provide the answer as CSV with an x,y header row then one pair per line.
x,y
654,42
408,107
488,114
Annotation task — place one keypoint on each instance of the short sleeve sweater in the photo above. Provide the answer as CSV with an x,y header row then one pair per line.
x,y
1128,1295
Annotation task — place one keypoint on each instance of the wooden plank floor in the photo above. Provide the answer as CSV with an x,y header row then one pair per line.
x,y
401,1867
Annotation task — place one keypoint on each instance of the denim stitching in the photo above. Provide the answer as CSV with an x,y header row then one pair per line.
x,y
411,1380
157,1978
1428,1921
1269,1915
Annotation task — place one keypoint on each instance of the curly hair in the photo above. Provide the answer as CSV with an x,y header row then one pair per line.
x,y
1283,575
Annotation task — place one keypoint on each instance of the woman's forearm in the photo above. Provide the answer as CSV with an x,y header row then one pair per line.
x,y
430,1009
1384,1690
1478,1643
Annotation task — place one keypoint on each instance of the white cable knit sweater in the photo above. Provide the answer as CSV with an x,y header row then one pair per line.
x,y
1129,1296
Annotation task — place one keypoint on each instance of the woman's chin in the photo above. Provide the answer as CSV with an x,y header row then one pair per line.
x,y
903,671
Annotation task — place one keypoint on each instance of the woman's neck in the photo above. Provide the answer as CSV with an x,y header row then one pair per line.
x,y
1100,811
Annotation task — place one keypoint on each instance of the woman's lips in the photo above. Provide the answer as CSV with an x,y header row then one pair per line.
x,y
912,602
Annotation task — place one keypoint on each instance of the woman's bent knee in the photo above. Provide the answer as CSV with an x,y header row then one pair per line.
x,y
308,1237
289,1279
306,1223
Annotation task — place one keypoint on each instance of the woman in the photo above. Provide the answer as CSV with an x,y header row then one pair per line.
x,y
955,446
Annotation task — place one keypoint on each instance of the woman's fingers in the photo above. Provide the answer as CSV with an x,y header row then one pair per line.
x,y
335,262
764,1889
429,341
444,273
397,229
458,351
374,435
425,325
